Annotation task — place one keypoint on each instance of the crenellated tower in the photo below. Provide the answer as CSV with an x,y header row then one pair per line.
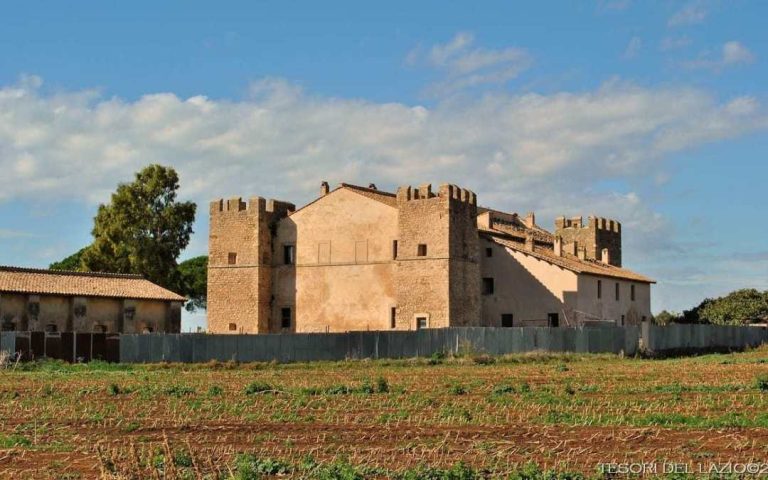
x,y
438,270
599,240
240,263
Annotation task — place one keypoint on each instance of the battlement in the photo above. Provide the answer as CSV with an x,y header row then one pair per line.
x,y
255,205
599,239
595,223
424,191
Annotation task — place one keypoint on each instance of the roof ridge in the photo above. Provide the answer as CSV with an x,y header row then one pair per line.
x,y
52,271
372,190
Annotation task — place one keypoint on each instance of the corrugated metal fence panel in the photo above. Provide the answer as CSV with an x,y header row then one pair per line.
x,y
8,342
138,348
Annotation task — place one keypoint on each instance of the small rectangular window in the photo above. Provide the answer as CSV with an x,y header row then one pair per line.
x,y
632,292
422,250
617,291
392,317
487,286
289,254
622,319
599,289
394,249
553,320
421,322
488,252
507,320
232,258
285,317
232,327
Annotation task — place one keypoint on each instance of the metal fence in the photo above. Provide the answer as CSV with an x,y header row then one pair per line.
x,y
190,348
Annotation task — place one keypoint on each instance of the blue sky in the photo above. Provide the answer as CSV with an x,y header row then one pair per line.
x,y
650,112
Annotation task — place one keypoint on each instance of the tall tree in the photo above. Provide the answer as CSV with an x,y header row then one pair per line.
x,y
143,229
73,263
194,282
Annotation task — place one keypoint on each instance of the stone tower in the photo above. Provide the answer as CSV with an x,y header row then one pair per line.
x,y
438,269
240,263
600,239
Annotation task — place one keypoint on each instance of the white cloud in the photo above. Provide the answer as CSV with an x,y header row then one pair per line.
x,y
632,48
467,66
731,54
674,43
283,141
691,14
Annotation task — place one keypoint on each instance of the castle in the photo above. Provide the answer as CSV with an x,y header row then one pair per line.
x,y
358,258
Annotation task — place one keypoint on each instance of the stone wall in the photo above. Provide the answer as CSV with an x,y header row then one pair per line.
x,y
240,263
598,234
37,313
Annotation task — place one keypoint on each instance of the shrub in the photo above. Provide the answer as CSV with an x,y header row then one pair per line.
x,y
569,390
761,382
503,389
113,389
250,467
179,390
382,386
436,358
258,387
458,389
215,391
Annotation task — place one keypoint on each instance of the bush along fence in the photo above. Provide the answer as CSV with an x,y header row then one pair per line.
x,y
300,347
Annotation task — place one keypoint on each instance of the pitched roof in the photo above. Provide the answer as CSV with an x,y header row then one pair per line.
x,y
386,198
82,284
570,262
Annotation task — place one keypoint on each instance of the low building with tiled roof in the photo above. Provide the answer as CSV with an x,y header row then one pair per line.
x,y
359,258
55,300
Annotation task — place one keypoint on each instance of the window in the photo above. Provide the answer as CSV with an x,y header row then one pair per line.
x,y
487,286
632,292
553,320
51,327
232,327
599,289
394,249
392,317
507,320
622,319
421,322
289,254
285,317
232,258
488,252
617,291
422,250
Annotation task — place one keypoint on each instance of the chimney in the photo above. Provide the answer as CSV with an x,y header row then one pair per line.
x,y
529,241
372,186
324,188
606,257
558,246
530,220
582,253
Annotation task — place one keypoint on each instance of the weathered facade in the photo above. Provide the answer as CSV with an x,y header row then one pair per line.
x,y
359,258
57,301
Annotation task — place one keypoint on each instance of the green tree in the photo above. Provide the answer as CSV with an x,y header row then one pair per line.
x,y
72,263
194,282
665,318
737,308
143,229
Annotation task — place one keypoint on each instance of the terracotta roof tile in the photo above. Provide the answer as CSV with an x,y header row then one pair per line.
x,y
570,262
82,284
